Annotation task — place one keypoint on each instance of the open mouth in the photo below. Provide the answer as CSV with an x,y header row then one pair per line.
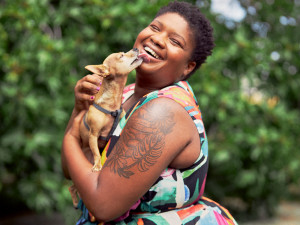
x,y
152,53
143,57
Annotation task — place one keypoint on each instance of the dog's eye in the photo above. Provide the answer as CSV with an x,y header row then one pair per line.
x,y
121,56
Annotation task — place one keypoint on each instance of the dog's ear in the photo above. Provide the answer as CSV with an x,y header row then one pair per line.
x,y
100,70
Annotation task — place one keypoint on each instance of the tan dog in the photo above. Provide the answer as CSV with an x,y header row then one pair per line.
x,y
103,116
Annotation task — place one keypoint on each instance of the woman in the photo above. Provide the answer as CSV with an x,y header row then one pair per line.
x,y
155,164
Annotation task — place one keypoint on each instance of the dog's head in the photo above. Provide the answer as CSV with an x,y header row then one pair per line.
x,y
117,64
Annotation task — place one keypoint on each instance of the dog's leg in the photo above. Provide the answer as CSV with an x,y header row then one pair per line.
x,y
73,192
93,142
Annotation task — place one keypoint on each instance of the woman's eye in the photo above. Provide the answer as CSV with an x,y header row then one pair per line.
x,y
154,27
174,41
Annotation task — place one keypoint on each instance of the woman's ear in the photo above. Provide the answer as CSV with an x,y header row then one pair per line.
x,y
189,68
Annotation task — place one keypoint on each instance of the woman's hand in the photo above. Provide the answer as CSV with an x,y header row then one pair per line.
x,y
85,91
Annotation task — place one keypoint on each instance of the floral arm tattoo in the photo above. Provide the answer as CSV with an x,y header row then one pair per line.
x,y
143,142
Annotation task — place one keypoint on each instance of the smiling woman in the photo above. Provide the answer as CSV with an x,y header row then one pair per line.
x,y
169,43
155,163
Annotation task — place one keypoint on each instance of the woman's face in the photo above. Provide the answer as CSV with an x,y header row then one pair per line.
x,y
169,44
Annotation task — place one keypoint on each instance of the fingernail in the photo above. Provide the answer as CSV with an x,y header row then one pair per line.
x,y
92,97
100,82
98,88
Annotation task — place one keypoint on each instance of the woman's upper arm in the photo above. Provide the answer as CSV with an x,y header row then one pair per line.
x,y
153,136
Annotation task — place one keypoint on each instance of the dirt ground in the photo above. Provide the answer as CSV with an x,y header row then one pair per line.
x,y
288,214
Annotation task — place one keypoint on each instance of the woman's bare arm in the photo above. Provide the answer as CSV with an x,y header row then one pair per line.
x,y
153,137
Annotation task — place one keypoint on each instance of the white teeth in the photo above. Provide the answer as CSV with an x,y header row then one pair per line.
x,y
153,53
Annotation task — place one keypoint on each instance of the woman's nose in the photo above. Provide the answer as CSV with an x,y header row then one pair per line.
x,y
158,40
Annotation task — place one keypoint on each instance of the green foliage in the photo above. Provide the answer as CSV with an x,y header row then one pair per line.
x,y
248,95
44,46
247,91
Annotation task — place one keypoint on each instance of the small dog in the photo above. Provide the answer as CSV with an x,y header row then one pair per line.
x,y
103,116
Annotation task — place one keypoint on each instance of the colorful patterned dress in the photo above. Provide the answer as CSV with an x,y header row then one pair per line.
x,y
177,195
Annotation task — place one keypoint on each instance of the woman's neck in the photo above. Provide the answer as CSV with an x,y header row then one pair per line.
x,y
144,85
140,89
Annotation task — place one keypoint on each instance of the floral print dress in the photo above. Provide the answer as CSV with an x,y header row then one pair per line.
x,y
177,196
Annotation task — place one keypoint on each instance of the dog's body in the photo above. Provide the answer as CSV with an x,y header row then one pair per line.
x,y
99,120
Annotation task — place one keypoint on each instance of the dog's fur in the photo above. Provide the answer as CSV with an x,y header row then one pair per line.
x,y
114,71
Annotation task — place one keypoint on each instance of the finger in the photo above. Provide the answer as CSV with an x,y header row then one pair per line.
x,y
94,79
89,88
88,85
85,97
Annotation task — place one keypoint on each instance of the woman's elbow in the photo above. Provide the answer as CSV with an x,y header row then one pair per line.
x,y
106,213
105,216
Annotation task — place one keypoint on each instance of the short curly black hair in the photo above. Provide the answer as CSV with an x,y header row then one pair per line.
x,y
200,26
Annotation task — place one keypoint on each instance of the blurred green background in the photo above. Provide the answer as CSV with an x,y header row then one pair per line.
x,y
248,92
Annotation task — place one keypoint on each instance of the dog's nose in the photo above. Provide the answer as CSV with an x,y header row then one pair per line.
x,y
135,49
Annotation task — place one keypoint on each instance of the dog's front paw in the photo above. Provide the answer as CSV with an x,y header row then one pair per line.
x,y
96,167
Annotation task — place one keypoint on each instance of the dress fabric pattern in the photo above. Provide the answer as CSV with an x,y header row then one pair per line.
x,y
177,195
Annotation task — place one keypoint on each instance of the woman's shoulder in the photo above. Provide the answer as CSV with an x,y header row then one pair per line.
x,y
181,92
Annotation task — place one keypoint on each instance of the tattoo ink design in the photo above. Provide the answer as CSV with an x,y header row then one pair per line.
x,y
143,142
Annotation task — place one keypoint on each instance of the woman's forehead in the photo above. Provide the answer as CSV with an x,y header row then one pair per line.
x,y
172,19
175,23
